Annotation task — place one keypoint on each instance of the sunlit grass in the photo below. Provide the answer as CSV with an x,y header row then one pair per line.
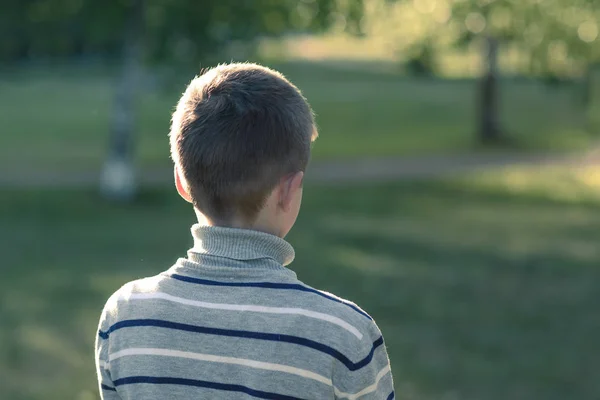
x,y
379,54
571,184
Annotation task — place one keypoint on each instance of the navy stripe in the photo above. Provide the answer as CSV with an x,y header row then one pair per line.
x,y
204,384
267,285
391,396
104,387
246,334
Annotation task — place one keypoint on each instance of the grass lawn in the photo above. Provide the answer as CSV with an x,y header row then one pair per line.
x,y
58,118
483,290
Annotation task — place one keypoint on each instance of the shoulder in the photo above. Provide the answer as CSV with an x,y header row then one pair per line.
x,y
122,296
358,321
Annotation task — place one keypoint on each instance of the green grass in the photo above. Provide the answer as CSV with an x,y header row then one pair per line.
x,y
59,118
483,291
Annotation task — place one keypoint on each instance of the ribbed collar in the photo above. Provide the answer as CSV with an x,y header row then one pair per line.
x,y
240,245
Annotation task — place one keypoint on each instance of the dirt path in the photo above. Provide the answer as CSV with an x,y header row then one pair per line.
x,y
330,172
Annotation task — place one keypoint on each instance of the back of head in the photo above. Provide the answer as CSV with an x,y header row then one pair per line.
x,y
237,131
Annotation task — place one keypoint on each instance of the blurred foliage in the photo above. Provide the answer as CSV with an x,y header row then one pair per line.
x,y
173,29
558,36
553,38
546,37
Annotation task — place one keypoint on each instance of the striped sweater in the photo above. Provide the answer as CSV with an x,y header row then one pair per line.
x,y
230,321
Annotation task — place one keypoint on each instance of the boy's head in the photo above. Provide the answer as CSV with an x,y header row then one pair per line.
x,y
240,139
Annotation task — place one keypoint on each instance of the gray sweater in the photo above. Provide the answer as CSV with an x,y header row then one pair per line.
x,y
230,321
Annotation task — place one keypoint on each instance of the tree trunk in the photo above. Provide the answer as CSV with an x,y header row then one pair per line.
x,y
489,127
590,98
587,87
117,181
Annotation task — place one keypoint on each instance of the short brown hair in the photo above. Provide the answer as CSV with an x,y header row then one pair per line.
x,y
237,130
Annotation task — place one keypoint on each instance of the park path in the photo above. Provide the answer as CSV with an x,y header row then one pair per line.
x,y
329,172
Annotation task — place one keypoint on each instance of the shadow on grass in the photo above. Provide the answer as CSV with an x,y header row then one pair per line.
x,y
492,295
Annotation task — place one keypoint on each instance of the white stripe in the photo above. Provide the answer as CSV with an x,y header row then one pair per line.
x,y
227,360
367,390
102,364
252,364
254,308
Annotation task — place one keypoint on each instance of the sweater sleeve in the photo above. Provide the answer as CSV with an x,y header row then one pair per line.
x,y
108,390
370,378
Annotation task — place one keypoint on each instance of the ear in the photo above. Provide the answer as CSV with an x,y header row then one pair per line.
x,y
288,190
181,187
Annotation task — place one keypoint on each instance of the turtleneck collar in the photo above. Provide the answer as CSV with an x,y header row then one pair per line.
x,y
268,251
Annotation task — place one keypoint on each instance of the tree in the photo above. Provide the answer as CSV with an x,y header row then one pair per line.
x,y
552,38
591,98
489,127
117,180
556,37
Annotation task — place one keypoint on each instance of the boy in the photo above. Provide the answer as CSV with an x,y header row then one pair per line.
x,y
230,321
